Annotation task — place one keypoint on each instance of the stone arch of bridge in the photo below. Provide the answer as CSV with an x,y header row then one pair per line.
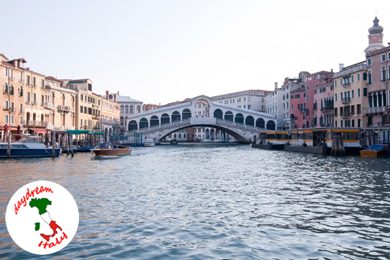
x,y
240,138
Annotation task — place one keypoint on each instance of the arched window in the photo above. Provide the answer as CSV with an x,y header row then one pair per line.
x,y
122,109
126,109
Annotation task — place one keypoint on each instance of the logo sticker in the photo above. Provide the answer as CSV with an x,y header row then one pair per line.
x,y
42,217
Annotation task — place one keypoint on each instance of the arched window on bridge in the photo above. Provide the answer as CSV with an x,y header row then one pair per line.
x,y
154,121
218,113
249,120
260,123
175,116
239,118
186,114
165,119
143,123
133,125
229,116
271,125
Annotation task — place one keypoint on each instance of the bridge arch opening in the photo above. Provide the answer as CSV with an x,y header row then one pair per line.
x,y
175,116
271,125
239,118
133,125
165,119
249,120
186,114
154,121
220,129
260,123
228,116
143,123
218,113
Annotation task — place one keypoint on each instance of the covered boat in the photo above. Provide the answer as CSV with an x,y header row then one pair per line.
x,y
29,147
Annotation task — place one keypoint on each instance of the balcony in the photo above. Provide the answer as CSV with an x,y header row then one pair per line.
x,y
9,109
345,115
375,110
327,109
48,105
95,117
34,123
62,108
346,100
110,121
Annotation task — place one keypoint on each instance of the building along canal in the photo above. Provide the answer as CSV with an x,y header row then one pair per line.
x,y
206,201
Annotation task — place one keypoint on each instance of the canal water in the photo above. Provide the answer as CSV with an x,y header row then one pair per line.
x,y
220,202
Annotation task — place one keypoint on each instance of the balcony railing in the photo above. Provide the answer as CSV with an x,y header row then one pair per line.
x,y
346,100
345,115
110,121
62,108
9,109
48,105
34,123
375,110
327,109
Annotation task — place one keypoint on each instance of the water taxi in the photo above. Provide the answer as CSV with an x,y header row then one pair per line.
x,y
112,151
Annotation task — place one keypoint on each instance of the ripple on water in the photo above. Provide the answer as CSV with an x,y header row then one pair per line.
x,y
216,202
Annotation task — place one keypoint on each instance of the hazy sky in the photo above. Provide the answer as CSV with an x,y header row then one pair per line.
x,y
161,51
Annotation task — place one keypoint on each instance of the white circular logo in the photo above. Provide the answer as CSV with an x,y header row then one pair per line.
x,y
42,217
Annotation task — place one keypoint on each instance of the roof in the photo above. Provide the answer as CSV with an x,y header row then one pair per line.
x,y
251,92
127,99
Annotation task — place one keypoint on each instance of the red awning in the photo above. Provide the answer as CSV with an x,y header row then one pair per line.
x,y
38,130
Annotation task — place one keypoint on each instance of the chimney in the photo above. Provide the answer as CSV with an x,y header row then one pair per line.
x,y
276,85
106,94
341,66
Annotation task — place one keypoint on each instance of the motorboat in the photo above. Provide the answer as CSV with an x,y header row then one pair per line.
x,y
376,150
29,147
112,151
149,143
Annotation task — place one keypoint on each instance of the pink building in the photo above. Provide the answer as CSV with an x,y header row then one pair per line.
x,y
298,109
302,100
323,104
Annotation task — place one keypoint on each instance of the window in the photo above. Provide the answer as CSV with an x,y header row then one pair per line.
x,y
365,92
81,110
335,97
358,92
28,97
383,74
42,83
358,109
6,119
358,76
369,77
353,93
335,111
383,58
35,98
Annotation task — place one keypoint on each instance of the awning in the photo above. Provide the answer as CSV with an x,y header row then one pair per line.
x,y
97,133
77,132
38,130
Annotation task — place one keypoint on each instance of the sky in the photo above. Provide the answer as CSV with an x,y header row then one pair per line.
x,y
160,51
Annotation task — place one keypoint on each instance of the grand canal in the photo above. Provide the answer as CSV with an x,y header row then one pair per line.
x,y
216,202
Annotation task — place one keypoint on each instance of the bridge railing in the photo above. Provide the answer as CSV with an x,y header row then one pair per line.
x,y
243,127
162,127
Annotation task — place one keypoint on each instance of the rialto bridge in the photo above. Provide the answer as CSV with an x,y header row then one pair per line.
x,y
201,111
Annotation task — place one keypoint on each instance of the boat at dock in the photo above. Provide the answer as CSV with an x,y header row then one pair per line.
x,y
374,151
112,152
29,147
149,143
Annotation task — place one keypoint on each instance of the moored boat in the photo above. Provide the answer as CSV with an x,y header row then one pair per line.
x,y
28,148
112,152
374,151
149,143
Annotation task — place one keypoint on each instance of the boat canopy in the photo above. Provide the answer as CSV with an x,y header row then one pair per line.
x,y
97,133
77,132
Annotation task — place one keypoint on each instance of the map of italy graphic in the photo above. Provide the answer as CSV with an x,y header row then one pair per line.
x,y
41,204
